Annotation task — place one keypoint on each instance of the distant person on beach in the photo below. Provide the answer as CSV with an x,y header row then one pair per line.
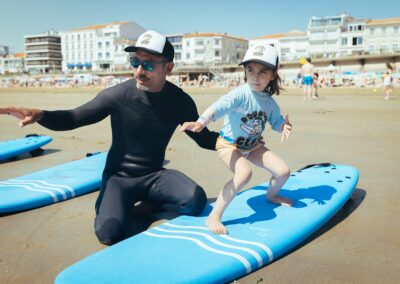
x,y
307,71
315,85
246,110
144,112
388,81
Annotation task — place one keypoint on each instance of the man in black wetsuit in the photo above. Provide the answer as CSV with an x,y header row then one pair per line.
x,y
145,112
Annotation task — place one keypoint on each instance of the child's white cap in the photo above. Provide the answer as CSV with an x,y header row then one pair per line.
x,y
262,53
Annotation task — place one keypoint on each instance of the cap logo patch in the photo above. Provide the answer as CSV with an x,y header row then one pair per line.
x,y
146,39
259,51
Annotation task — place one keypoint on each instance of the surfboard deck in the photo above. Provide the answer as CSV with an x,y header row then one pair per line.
x,y
52,185
185,251
15,147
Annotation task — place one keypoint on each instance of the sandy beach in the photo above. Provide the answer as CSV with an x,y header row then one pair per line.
x,y
361,244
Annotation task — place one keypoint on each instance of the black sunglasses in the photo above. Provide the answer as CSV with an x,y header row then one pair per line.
x,y
147,65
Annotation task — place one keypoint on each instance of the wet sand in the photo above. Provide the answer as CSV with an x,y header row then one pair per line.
x,y
361,244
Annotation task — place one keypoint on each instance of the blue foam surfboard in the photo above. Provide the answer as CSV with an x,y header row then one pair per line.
x,y
12,148
52,185
185,251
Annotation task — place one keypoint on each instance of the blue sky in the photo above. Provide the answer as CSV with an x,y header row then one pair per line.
x,y
243,18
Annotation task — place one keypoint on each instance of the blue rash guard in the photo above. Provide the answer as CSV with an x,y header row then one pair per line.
x,y
246,113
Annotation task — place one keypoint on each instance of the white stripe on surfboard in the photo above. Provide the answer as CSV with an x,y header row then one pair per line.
x,y
267,250
55,199
37,186
70,189
215,241
206,247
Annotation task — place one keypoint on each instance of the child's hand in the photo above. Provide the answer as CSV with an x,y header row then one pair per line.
x,y
287,128
192,126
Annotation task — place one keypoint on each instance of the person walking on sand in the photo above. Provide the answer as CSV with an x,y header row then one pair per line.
x,y
145,112
307,71
388,81
246,110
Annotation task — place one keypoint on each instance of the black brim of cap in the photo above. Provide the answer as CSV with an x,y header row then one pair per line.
x,y
268,65
134,48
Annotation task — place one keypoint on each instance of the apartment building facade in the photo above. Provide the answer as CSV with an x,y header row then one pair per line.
x,y
337,36
209,49
98,47
12,63
382,36
43,52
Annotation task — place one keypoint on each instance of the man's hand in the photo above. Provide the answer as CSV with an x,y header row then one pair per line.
x,y
192,126
26,115
286,129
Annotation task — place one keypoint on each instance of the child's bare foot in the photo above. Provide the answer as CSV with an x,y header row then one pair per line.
x,y
214,224
277,199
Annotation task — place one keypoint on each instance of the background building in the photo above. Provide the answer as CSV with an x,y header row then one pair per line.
x,y
98,47
12,63
210,49
43,52
382,36
176,41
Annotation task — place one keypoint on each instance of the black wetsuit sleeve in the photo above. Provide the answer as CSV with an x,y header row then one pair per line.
x,y
89,113
205,139
58,120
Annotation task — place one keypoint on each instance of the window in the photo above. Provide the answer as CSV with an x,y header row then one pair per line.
x,y
199,42
107,44
396,30
344,41
187,55
384,30
372,31
395,46
357,41
100,55
107,55
217,53
99,45
217,41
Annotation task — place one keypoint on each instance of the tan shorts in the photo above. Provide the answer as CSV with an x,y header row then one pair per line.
x,y
223,144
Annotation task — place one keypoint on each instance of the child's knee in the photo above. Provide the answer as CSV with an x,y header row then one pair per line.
x,y
283,173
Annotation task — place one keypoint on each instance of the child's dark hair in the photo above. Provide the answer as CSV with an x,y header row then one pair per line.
x,y
274,86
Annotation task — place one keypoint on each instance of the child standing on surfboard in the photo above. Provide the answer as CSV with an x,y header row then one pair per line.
x,y
246,111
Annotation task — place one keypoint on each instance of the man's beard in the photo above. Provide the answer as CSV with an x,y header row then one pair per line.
x,y
142,77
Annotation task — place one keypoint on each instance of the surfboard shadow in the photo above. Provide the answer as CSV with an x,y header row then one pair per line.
x,y
26,156
264,210
348,208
